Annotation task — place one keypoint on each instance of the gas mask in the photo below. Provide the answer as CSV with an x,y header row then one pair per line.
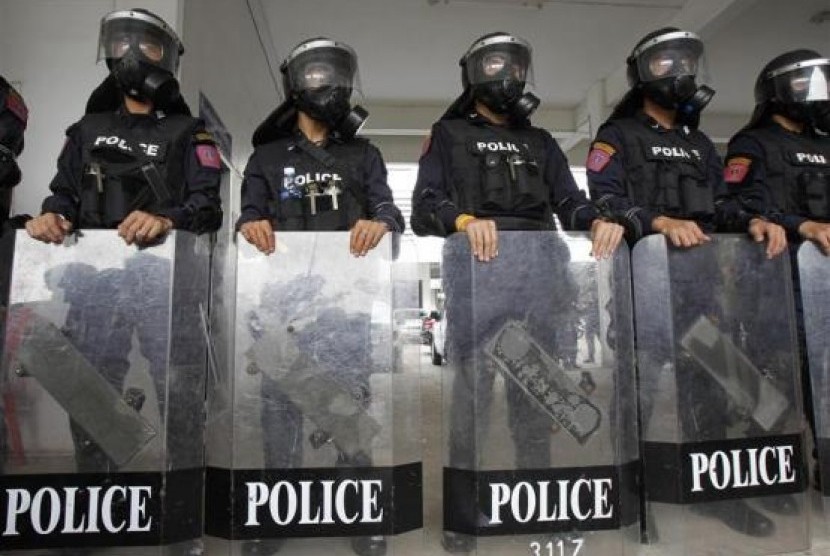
x,y
799,88
319,76
142,52
496,69
665,65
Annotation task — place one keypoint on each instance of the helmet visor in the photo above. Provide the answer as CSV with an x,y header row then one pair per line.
x,y
145,36
499,58
807,81
322,63
671,55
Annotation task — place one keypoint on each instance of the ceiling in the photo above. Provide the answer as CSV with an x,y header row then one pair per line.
x,y
408,49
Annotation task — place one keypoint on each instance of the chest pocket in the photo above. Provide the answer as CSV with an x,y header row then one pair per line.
x,y
312,198
510,180
812,184
677,184
119,180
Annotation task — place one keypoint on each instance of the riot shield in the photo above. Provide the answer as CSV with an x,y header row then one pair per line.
x,y
102,380
314,445
720,404
539,399
814,275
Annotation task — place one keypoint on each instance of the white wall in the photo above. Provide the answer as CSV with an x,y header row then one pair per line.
x,y
226,62
49,46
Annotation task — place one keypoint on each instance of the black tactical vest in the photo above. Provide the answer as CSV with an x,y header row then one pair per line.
x,y
498,173
322,192
666,171
798,171
140,167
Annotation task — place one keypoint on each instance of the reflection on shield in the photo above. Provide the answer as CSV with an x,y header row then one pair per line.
x,y
544,380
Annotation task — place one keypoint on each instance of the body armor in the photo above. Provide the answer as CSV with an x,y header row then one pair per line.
x,y
666,171
498,173
127,168
315,188
797,171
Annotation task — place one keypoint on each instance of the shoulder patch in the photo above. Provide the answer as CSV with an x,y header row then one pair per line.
x,y
736,169
600,156
15,104
208,156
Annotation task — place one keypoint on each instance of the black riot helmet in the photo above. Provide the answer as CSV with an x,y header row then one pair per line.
x,y
665,65
142,52
319,77
796,84
495,69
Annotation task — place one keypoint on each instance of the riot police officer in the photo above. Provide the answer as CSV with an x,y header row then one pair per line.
x,y
651,166
13,118
779,163
309,172
485,169
450,196
137,161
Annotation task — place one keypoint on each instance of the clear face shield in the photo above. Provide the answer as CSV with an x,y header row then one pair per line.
x,y
148,38
498,59
323,64
803,82
674,54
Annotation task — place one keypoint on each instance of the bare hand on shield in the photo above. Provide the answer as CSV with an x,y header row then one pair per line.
x,y
774,234
681,233
365,236
143,228
260,234
484,238
605,238
818,232
49,227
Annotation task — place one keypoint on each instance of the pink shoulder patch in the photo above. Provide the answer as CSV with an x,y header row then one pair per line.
x,y
17,107
736,170
598,159
208,156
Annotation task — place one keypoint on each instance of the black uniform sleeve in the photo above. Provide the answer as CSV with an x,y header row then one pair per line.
x,y
66,185
433,212
569,203
746,175
201,210
606,182
381,205
256,194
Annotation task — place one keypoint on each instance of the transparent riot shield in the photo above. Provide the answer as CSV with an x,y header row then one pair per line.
x,y
814,275
539,399
314,445
102,396
720,404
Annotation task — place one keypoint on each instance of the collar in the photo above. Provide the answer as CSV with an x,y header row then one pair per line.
x,y
155,115
655,125
475,118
